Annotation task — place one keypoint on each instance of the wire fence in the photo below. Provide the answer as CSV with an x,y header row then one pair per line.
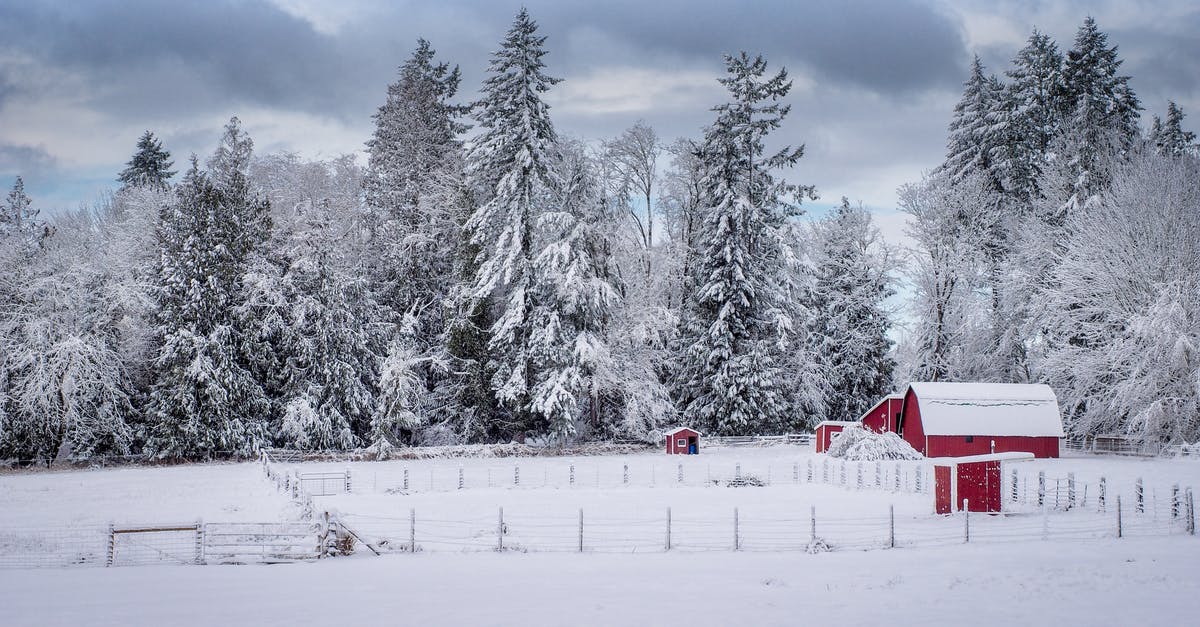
x,y
805,530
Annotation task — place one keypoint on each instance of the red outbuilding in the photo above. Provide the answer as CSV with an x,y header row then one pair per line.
x,y
978,480
826,430
683,441
885,415
961,419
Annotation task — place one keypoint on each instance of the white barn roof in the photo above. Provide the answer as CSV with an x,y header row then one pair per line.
x,y
1002,409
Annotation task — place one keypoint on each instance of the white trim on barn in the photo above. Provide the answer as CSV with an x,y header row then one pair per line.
x,y
996,409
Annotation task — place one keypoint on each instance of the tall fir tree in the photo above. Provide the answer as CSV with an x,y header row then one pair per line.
x,y
510,163
735,330
150,165
974,140
849,323
204,401
1035,96
1168,137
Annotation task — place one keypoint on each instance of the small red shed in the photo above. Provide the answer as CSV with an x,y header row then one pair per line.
x,y
885,415
826,430
977,479
683,441
960,419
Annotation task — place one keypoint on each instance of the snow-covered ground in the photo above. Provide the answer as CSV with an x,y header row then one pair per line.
x,y
1080,575
1111,582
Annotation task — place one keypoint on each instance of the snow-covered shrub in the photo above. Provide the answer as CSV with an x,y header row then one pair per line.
x,y
863,445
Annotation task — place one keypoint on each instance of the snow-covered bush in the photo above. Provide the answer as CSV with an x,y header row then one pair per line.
x,y
863,445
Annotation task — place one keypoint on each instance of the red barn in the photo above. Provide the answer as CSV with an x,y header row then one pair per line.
x,y
961,419
979,480
885,415
826,430
683,441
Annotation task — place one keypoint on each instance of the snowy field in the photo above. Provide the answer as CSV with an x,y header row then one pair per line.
x,y
1112,582
533,508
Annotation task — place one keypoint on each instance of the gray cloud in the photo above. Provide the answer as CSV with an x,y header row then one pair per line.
x,y
30,162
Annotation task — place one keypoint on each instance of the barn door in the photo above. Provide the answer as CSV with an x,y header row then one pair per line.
x,y
942,489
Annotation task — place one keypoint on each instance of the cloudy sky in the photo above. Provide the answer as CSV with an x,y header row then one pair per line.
x,y
875,80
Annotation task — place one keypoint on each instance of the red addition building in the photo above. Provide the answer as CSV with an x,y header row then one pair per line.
x,y
885,415
683,441
962,419
826,430
976,482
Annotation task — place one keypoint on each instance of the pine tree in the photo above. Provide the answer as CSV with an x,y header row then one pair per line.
x,y
849,323
974,140
573,294
734,331
1036,93
1101,109
150,165
1169,138
510,161
204,400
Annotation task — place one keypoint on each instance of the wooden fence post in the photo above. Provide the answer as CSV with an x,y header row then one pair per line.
x,y
812,533
1041,488
966,520
406,480
1102,495
891,526
111,553
1139,495
572,475
1175,501
858,483
1070,490
412,530
1120,531
500,531
348,483
1014,485
199,542
737,536
668,528
679,478
581,530
625,476
516,475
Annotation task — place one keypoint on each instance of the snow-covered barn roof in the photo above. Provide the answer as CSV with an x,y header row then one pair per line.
x,y
1002,409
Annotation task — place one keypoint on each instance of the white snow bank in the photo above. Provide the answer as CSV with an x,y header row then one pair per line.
x,y
863,445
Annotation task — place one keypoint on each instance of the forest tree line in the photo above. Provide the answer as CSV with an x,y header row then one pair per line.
x,y
484,279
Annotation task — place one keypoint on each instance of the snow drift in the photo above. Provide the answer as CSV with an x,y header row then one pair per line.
x,y
862,445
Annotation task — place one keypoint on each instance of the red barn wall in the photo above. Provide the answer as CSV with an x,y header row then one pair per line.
x,y
958,446
825,436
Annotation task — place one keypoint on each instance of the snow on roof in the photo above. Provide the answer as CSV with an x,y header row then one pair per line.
x,y
844,423
1003,457
678,429
1000,409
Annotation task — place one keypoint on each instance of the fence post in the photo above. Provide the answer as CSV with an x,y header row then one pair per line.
x,y
1120,531
966,521
680,477
920,473
1139,495
625,479
668,528
899,471
1102,495
500,531
111,553
825,471
737,536
348,484
878,474
199,542
809,476
859,477
737,470
581,530
1041,488
412,530
460,477
406,480
1191,512
842,473
891,526
324,548
1014,485
572,480
795,472
812,535
1175,501
516,475
1070,490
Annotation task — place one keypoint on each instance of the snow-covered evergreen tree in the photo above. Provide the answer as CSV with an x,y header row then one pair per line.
x,y
736,328
150,165
510,164
975,141
1169,138
849,322
1035,95
204,400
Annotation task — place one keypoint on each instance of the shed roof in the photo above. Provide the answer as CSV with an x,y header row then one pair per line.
x,y
678,429
992,457
1000,409
839,423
